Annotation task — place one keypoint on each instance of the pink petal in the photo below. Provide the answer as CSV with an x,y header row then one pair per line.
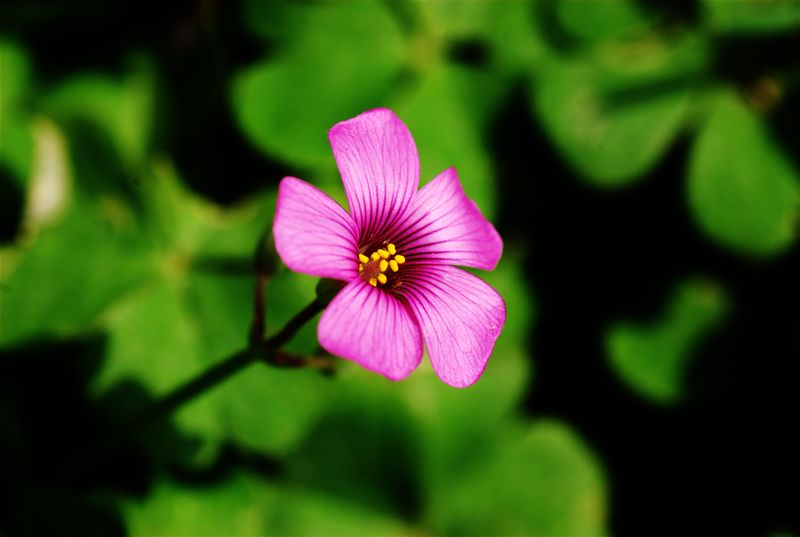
x,y
460,316
378,161
373,328
445,226
313,234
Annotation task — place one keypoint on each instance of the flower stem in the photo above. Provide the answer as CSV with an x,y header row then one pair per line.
x,y
265,351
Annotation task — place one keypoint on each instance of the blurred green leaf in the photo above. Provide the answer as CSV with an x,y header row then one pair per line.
x,y
123,107
235,507
197,310
752,15
55,291
606,19
246,506
16,140
652,359
614,113
287,103
447,115
535,479
748,203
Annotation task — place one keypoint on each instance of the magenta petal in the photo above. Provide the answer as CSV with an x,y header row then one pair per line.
x,y
373,328
378,161
445,226
460,316
313,234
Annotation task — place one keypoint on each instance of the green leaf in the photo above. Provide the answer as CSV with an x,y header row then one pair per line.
x,y
752,16
652,359
614,114
447,115
535,479
287,103
748,203
122,107
55,291
16,140
243,505
601,20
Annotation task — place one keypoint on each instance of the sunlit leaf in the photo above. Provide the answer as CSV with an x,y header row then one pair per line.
x,y
749,202
652,359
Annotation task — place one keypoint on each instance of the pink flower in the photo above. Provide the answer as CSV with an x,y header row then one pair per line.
x,y
395,250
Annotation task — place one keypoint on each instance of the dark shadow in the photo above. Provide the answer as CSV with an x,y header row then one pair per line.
x,y
63,456
724,462
12,203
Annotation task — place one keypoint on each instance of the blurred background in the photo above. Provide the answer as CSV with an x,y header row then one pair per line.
x,y
639,158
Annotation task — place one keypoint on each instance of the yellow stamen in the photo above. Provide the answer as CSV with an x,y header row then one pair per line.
x,y
383,253
400,259
382,278
363,258
360,267
383,265
373,282
375,256
394,265
391,248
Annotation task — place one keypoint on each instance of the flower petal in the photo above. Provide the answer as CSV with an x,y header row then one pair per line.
x,y
460,316
444,226
313,234
378,161
373,328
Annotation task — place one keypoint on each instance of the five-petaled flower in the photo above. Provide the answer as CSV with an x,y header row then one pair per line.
x,y
396,250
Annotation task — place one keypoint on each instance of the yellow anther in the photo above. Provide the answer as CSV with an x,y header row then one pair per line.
x,y
383,253
360,267
383,265
394,266
391,248
375,256
373,282
400,259
382,278
363,258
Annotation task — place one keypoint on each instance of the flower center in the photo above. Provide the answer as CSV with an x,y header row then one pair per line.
x,y
380,266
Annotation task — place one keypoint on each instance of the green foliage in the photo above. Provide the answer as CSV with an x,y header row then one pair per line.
x,y
614,114
652,359
16,140
752,16
287,103
748,203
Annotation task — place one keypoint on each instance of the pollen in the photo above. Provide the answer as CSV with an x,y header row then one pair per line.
x,y
374,267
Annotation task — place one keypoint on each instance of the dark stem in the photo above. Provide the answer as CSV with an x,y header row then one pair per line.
x,y
265,351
